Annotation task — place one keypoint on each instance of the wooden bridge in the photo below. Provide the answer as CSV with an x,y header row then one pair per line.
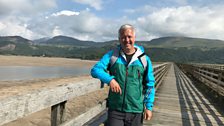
x,y
178,101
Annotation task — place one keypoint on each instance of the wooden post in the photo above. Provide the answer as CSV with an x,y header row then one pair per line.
x,y
57,114
219,83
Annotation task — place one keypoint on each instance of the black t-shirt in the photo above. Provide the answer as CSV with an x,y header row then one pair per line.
x,y
129,57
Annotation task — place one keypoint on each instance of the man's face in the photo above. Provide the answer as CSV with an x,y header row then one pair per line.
x,y
127,39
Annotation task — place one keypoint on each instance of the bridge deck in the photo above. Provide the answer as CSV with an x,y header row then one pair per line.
x,y
178,102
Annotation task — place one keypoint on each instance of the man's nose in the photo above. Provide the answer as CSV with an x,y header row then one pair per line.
x,y
126,39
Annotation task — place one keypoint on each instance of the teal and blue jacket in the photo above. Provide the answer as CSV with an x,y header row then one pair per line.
x,y
137,84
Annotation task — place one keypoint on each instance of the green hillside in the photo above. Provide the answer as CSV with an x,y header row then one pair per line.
x,y
174,49
176,42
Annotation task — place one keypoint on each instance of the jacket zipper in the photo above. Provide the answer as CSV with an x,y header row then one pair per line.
x,y
139,81
125,85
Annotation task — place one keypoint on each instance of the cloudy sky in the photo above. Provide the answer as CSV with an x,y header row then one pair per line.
x,y
99,20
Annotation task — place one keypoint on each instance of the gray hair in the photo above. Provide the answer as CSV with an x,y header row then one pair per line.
x,y
124,27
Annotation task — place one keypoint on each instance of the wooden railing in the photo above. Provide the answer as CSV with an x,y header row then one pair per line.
x,y
160,71
212,76
213,66
15,107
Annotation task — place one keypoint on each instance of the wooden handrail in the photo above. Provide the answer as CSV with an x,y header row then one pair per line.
x,y
208,74
18,106
213,66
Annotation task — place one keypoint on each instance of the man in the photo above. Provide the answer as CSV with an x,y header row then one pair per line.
x,y
127,78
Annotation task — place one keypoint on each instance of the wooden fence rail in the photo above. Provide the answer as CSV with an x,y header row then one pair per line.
x,y
213,77
159,72
213,66
15,107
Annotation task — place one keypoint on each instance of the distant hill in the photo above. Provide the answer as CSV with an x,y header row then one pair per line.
x,y
41,40
11,43
14,39
174,49
69,41
64,40
163,42
176,42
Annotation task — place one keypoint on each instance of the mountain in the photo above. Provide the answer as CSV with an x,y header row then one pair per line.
x,y
173,49
64,40
177,42
41,40
14,39
11,43
163,42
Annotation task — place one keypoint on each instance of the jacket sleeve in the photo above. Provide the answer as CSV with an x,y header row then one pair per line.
x,y
150,83
99,70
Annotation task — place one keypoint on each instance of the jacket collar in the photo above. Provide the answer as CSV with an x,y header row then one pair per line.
x,y
138,52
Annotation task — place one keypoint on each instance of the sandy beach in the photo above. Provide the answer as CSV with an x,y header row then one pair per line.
x,y
42,118
42,61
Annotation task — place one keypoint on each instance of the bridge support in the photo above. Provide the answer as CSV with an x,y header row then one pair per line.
x,y
57,114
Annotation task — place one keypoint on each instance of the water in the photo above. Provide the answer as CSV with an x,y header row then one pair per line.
x,y
8,73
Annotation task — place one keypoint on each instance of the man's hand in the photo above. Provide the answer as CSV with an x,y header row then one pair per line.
x,y
115,87
147,114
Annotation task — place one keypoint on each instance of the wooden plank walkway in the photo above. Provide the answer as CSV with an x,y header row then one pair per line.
x,y
179,103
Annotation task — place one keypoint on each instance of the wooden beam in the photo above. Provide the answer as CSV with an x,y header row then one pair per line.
x,y
18,106
85,117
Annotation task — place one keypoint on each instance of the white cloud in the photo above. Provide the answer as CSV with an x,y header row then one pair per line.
x,y
84,26
97,4
16,16
65,13
56,31
150,22
8,28
187,21
25,7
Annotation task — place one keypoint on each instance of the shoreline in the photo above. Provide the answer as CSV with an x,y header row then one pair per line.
x,y
40,61
11,60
